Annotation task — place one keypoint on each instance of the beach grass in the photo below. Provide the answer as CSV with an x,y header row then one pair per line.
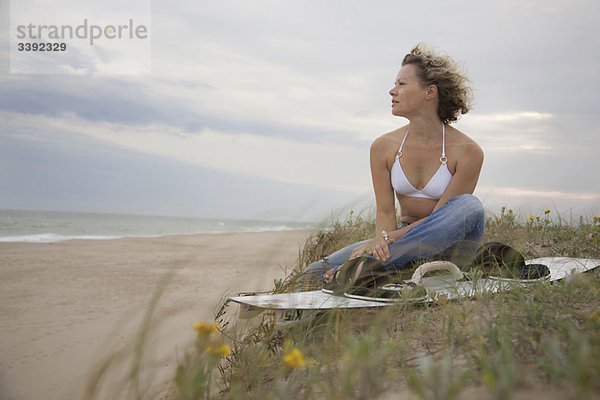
x,y
540,341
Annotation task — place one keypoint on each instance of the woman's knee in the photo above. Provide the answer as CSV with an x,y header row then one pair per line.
x,y
469,202
320,266
469,207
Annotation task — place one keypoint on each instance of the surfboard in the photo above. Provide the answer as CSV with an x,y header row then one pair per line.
x,y
290,307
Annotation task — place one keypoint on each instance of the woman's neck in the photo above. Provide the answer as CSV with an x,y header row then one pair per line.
x,y
425,128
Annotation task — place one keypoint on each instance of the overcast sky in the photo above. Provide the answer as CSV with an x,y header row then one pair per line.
x,y
266,109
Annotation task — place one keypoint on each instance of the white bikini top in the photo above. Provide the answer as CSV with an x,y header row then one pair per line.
x,y
436,185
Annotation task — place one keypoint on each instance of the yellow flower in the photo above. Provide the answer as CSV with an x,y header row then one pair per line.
x,y
546,211
488,378
222,350
205,328
293,358
594,316
531,218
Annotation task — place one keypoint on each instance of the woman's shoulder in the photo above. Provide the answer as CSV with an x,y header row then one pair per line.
x,y
388,141
463,147
462,141
385,147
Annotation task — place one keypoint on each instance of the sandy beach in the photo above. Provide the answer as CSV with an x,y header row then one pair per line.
x,y
67,307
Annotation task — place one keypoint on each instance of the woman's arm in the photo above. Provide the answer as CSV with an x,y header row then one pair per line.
x,y
385,202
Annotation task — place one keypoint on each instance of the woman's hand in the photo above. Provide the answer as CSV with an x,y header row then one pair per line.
x,y
378,248
328,276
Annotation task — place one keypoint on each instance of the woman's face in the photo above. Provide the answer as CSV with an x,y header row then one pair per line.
x,y
408,95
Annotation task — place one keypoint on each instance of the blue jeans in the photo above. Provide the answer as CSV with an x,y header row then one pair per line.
x,y
452,232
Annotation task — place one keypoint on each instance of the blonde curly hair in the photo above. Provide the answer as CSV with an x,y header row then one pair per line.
x,y
442,71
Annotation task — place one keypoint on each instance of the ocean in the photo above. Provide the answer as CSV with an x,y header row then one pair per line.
x,y
53,226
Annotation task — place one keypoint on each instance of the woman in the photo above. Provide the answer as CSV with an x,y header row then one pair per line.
x,y
430,167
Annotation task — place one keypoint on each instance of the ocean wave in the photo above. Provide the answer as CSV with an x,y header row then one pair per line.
x,y
49,226
52,238
274,228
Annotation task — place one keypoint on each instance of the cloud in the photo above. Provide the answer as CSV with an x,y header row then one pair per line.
x,y
296,91
337,167
513,132
566,206
68,171
515,192
519,116
527,133
291,105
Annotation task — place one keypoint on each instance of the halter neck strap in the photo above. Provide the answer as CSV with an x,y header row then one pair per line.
x,y
399,153
443,158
